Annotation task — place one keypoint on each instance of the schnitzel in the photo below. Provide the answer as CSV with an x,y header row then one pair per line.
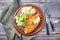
x,y
31,23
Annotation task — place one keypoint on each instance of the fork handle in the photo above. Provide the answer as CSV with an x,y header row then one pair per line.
x,y
47,28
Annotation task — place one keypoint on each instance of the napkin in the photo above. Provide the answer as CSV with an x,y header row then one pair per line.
x,y
6,18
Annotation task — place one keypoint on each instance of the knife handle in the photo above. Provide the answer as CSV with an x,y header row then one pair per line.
x,y
52,26
47,28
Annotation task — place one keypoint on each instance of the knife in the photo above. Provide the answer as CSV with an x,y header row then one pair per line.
x,y
52,26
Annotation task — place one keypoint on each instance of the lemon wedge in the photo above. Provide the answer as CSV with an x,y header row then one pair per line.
x,y
37,20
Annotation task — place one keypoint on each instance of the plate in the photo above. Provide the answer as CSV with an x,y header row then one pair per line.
x,y
38,28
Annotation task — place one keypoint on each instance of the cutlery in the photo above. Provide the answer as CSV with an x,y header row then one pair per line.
x,y
48,22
